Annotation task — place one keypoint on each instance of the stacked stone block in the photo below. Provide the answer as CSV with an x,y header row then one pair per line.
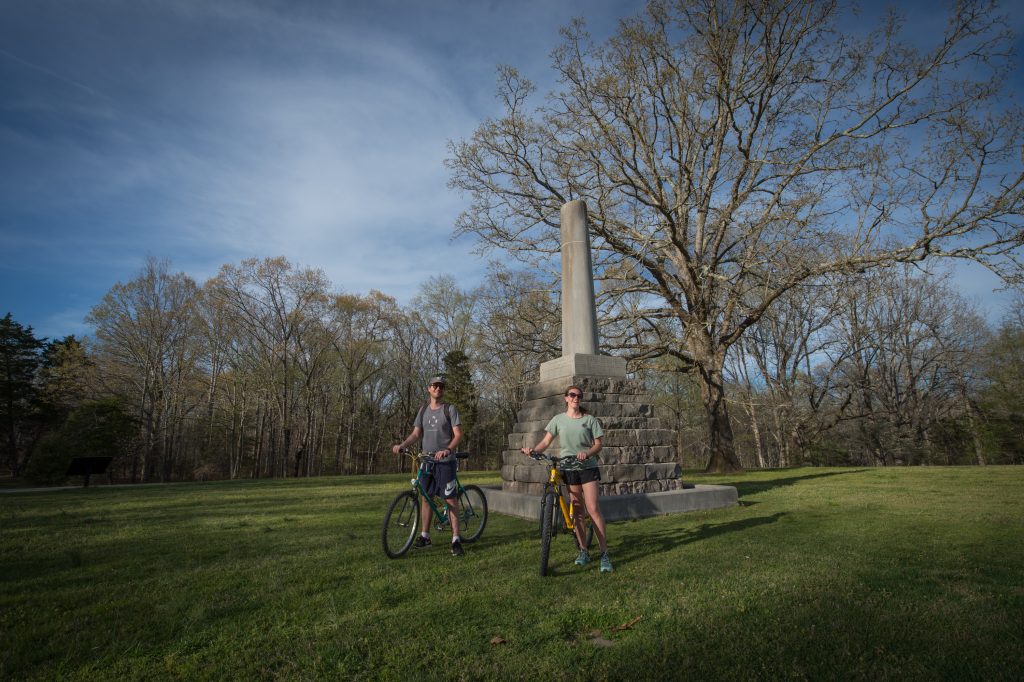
x,y
638,456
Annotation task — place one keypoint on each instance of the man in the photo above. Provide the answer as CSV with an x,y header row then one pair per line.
x,y
438,424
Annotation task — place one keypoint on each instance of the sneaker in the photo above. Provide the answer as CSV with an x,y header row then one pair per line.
x,y
583,559
421,542
606,563
457,548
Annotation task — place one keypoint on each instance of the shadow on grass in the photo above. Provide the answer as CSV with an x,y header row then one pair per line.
x,y
642,545
755,487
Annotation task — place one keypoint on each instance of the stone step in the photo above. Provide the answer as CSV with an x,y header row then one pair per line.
x,y
599,410
626,437
597,385
608,423
591,401
608,490
519,467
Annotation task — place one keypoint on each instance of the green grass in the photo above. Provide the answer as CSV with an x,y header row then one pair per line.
x,y
818,574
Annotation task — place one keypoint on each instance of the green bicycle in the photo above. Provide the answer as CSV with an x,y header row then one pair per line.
x,y
403,516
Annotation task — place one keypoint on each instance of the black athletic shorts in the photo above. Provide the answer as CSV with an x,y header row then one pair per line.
x,y
441,478
581,476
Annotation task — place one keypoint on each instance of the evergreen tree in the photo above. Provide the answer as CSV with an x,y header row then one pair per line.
x,y
460,392
20,358
63,377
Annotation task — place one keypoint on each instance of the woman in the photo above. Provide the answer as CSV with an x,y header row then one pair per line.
x,y
579,435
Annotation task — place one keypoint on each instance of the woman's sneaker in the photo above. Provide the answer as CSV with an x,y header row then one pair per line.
x,y
606,563
457,548
583,559
421,542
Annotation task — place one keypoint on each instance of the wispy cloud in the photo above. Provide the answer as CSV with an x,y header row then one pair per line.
x,y
53,74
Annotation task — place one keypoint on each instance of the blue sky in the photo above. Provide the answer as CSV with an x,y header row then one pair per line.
x,y
208,131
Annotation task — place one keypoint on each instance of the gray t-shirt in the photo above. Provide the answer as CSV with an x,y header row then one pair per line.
x,y
437,432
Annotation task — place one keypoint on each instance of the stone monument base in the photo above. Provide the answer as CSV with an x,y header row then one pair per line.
x,y
638,455
583,364
622,507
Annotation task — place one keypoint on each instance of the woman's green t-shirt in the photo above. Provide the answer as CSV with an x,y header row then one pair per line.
x,y
575,435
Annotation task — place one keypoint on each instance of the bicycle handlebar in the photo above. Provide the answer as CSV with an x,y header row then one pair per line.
x,y
541,456
429,456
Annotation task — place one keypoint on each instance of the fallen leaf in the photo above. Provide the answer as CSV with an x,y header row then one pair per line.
x,y
626,626
497,639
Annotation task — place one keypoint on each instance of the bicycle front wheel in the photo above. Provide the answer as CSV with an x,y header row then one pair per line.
x,y
547,526
399,529
472,513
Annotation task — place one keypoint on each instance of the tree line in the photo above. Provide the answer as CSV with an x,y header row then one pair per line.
x,y
265,371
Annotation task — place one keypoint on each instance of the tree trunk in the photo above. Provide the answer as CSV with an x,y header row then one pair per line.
x,y
973,419
721,445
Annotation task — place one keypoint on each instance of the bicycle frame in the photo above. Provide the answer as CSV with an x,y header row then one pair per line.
x,y
565,503
421,491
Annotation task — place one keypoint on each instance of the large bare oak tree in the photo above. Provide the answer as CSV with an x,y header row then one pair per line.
x,y
731,151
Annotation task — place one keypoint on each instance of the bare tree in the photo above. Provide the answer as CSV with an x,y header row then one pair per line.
x,y
788,368
519,327
277,308
359,326
912,343
731,151
145,344
446,313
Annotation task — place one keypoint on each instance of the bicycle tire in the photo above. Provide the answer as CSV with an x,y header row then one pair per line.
x,y
547,523
472,513
400,524
540,517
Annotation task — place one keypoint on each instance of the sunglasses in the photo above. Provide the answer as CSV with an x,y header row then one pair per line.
x,y
573,395
437,385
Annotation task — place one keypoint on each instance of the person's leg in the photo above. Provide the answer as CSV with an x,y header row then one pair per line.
x,y
578,505
448,488
426,515
591,495
453,515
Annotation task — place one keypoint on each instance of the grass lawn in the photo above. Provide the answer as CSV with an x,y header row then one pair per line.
x,y
818,574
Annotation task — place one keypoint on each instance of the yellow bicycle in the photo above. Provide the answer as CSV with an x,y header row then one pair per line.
x,y
556,496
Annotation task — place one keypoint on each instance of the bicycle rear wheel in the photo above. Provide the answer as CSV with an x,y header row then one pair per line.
x,y
547,523
400,523
472,513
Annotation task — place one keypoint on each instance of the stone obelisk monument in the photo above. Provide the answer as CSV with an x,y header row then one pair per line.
x,y
638,456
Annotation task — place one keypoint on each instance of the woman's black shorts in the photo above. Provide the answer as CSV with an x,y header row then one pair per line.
x,y
581,476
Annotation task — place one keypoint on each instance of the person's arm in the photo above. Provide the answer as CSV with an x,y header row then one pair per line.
x,y
594,448
411,438
452,444
541,446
